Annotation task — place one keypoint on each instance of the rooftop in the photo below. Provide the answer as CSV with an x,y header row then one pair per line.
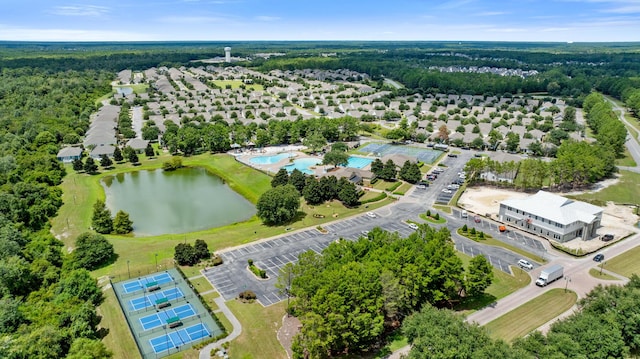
x,y
557,208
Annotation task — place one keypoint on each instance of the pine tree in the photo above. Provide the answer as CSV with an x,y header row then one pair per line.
x,y
122,224
117,155
90,165
101,220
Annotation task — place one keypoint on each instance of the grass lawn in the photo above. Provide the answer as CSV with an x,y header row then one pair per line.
x,y
431,219
446,209
371,194
503,284
604,276
119,340
532,314
259,327
627,160
236,84
626,263
201,285
625,191
209,299
403,189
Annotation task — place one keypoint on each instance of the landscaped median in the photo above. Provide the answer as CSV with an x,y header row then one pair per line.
x,y
532,314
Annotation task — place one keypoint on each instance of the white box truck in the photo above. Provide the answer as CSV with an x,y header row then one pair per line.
x,y
549,275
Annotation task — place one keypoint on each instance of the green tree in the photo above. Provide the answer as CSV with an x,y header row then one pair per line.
x,y
410,172
281,178
335,158
339,146
85,348
389,171
90,166
185,254
312,191
132,156
91,251
202,249
105,161
329,187
79,284
298,179
315,141
377,168
348,194
278,205
121,223
148,151
479,276
513,142
101,220
10,315
117,155
78,165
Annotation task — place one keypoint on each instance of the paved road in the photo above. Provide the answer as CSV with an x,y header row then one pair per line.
x,y
632,139
272,254
136,119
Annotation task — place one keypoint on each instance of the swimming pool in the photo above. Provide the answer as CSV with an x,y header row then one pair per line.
x,y
358,162
302,165
269,160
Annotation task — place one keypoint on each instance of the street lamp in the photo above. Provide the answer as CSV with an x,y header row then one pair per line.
x,y
567,280
128,271
602,266
156,262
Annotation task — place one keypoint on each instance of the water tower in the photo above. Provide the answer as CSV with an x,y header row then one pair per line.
x,y
227,54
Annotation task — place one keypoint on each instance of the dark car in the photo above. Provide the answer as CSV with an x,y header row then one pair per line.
x,y
607,237
599,257
452,155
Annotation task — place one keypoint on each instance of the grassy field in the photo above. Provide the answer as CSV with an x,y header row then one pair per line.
x,y
503,285
532,314
446,209
236,84
627,160
626,263
625,191
604,276
259,327
403,189
119,339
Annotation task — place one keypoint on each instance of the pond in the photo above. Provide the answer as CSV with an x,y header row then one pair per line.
x,y
186,200
124,90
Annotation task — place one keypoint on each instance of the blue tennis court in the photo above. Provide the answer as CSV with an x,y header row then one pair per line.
x,y
179,338
141,283
159,319
150,299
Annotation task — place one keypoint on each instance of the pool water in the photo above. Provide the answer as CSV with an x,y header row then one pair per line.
x,y
358,162
303,164
269,160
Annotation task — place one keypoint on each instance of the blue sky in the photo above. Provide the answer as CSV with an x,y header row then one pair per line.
x,y
220,20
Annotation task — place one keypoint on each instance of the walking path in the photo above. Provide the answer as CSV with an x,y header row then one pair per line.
x,y
205,353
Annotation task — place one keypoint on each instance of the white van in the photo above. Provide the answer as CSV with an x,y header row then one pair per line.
x,y
464,214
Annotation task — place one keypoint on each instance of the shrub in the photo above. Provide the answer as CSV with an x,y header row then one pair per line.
x,y
247,295
436,216
173,164
473,231
428,213
250,261
380,197
465,228
481,235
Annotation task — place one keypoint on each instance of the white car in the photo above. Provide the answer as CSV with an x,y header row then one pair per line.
x,y
365,233
413,226
446,190
371,215
525,264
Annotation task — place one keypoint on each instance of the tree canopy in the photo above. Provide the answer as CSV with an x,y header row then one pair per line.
x,y
279,205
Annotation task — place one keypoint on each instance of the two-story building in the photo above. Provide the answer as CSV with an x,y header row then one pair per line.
x,y
552,216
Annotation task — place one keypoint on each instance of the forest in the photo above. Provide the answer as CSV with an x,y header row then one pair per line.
x,y
48,298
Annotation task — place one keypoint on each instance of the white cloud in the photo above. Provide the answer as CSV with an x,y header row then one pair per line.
x,y
491,13
632,9
80,10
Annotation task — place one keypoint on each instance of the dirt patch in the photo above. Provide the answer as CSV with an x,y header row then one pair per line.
x,y
290,327
617,220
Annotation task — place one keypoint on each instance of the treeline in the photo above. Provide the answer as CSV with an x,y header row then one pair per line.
x,y
47,301
576,165
195,135
607,128
354,293
605,327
